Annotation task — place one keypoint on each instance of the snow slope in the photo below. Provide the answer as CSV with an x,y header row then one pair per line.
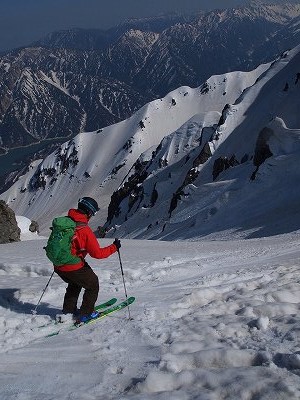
x,y
95,163
212,321
154,174
265,116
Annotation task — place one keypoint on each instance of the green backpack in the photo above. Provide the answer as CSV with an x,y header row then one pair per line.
x,y
58,248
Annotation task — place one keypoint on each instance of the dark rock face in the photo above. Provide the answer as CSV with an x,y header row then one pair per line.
x,y
9,230
262,150
223,163
34,227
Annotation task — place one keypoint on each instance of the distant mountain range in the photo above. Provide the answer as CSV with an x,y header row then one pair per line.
x,y
217,161
83,80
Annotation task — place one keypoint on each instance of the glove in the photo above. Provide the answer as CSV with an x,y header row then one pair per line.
x,y
117,243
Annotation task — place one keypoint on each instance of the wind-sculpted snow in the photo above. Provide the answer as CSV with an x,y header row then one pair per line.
x,y
24,270
212,320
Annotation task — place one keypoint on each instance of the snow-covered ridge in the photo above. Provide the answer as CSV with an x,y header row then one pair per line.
x,y
188,192
100,75
277,13
188,157
87,164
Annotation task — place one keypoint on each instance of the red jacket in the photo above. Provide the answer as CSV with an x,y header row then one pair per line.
x,y
85,242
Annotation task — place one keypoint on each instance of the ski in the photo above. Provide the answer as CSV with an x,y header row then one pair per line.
x,y
103,314
110,310
100,306
106,304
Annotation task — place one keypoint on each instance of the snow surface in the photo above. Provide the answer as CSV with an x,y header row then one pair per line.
x,y
212,320
24,224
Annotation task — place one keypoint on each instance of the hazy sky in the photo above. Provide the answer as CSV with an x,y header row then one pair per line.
x,y
24,21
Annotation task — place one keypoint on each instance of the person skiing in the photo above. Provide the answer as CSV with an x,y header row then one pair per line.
x,y
80,275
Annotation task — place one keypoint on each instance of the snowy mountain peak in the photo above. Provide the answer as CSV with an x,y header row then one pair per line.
x,y
138,37
275,13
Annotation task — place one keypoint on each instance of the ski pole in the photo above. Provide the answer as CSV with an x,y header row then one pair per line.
x,y
124,282
34,311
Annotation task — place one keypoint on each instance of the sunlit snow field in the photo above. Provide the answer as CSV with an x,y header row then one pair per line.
x,y
212,320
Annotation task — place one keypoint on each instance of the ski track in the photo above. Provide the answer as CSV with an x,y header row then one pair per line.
x,y
212,321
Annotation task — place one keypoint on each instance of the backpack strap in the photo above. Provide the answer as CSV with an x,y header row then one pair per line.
x,y
79,225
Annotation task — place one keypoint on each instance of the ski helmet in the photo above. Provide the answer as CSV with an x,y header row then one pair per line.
x,y
88,205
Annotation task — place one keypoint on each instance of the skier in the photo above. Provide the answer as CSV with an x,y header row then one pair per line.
x,y
81,276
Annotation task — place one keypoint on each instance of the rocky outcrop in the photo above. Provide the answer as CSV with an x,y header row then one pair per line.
x,y
223,163
34,227
131,189
191,176
262,149
9,230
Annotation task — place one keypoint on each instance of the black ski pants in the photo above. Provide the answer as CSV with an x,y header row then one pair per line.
x,y
83,278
